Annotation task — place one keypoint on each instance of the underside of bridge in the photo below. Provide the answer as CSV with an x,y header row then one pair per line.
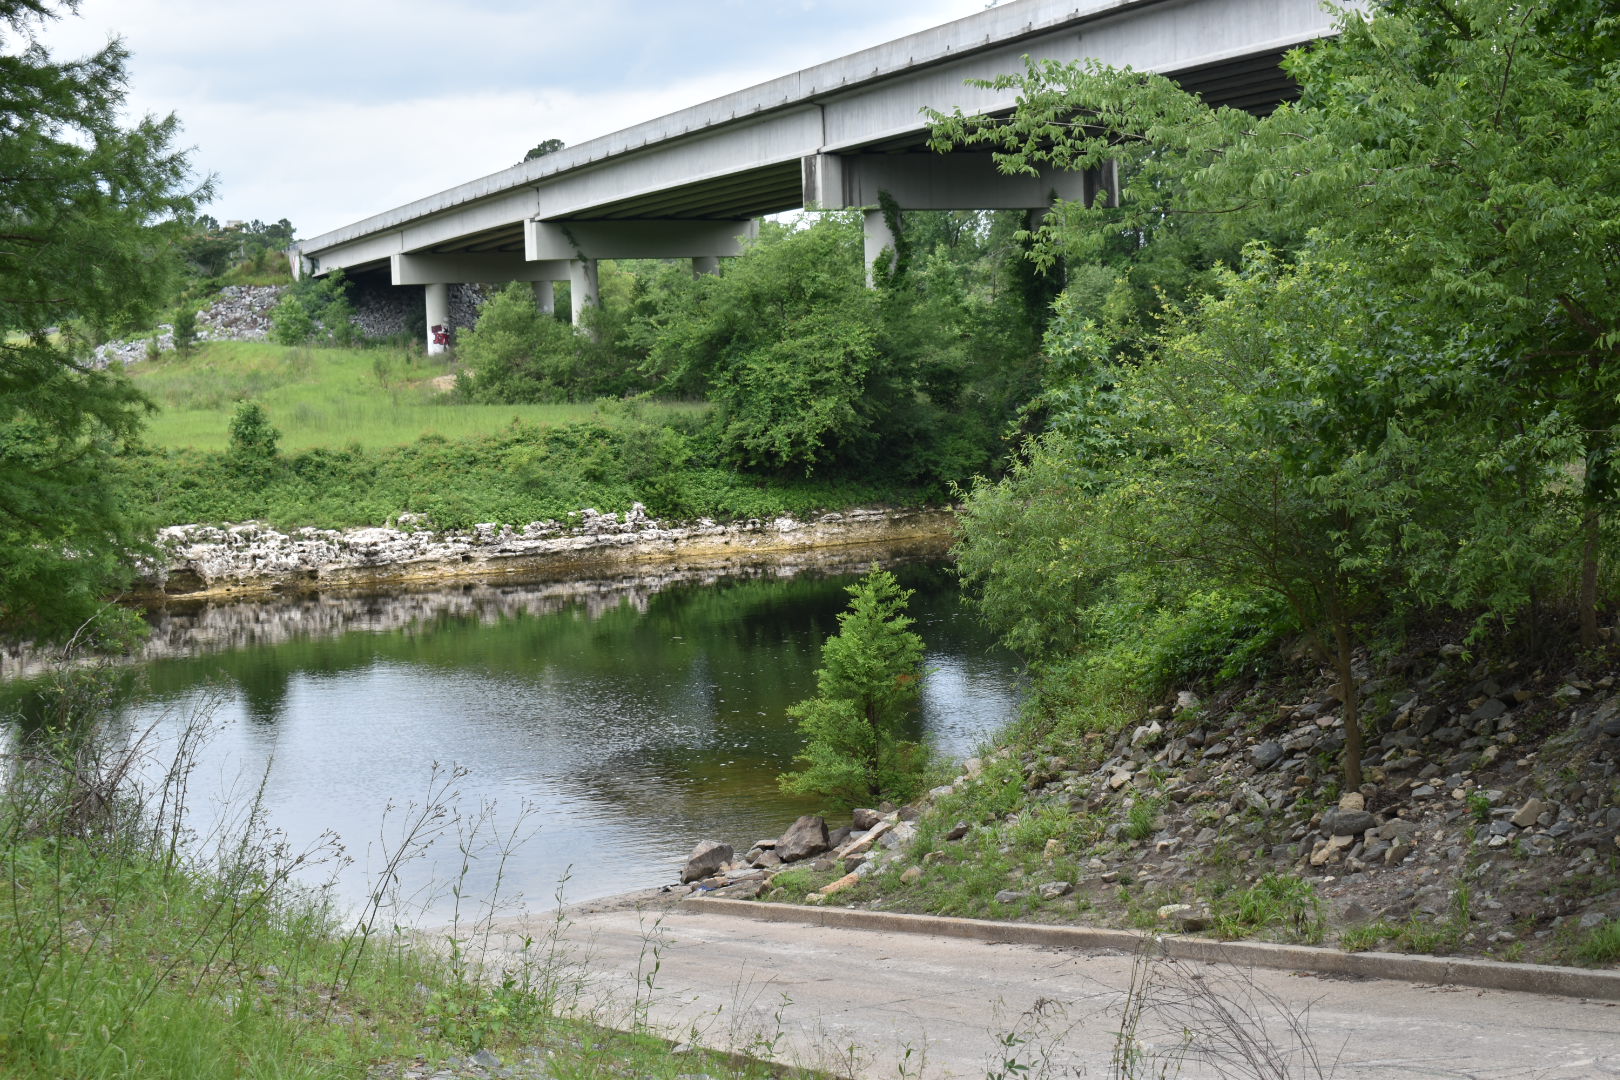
x,y
696,193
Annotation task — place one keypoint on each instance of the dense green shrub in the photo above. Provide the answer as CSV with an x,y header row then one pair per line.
x,y
517,353
315,309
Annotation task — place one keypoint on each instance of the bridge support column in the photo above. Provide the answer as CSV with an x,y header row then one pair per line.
x,y
583,289
879,238
438,318
545,297
705,264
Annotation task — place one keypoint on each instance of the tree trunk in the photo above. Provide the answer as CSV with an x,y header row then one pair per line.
x,y
1591,530
1342,652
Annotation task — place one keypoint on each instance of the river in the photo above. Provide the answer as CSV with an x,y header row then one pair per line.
x,y
617,721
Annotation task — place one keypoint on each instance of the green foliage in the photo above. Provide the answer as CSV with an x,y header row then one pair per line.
x,y
1600,945
1142,818
290,321
517,353
810,371
517,474
1279,902
214,252
185,330
89,208
542,148
867,689
784,343
315,309
1404,397
253,441
353,452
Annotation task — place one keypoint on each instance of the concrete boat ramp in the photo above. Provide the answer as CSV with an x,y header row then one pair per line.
x,y
873,1004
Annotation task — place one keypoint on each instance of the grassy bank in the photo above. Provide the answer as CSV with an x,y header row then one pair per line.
x,y
331,398
131,949
361,435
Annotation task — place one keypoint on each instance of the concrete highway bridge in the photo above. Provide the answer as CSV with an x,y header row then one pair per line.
x,y
692,184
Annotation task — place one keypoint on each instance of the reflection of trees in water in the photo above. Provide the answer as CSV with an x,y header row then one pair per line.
x,y
183,628
670,694
264,690
689,802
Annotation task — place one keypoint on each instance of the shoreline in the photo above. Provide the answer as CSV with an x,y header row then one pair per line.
x,y
252,559
235,585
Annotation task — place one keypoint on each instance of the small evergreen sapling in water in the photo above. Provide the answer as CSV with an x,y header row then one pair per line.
x,y
868,683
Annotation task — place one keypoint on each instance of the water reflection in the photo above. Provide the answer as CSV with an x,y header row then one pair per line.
x,y
635,718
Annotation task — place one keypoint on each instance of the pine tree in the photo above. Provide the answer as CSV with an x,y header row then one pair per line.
x,y
89,210
868,684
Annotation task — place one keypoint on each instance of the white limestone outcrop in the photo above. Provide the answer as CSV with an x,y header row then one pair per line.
x,y
254,556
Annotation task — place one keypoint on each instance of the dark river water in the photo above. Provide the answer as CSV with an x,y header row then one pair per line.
x,y
611,724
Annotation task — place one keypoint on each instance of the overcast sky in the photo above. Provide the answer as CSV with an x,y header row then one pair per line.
x,y
326,111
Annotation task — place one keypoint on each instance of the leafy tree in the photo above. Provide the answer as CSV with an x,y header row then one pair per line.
x,y
209,251
867,690
1454,153
812,372
518,353
290,321
544,147
784,344
89,210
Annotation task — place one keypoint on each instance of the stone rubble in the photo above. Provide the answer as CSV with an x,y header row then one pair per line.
x,y
1493,788
873,838
1479,780
242,313
253,556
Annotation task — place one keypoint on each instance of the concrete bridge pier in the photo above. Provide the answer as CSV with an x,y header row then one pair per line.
x,y
438,317
584,289
879,240
436,273
705,264
545,297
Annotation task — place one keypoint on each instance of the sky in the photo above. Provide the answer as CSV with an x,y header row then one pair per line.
x,y
327,111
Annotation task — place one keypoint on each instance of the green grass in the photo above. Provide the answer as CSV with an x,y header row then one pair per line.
x,y
1600,945
1142,818
1005,850
273,269
1367,936
364,436
1434,937
1277,903
330,398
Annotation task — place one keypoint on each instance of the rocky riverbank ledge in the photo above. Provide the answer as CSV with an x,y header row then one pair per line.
x,y
715,869
253,557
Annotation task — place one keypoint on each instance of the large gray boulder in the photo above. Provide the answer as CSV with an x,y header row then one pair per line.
x,y
707,859
804,838
865,819
1341,822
